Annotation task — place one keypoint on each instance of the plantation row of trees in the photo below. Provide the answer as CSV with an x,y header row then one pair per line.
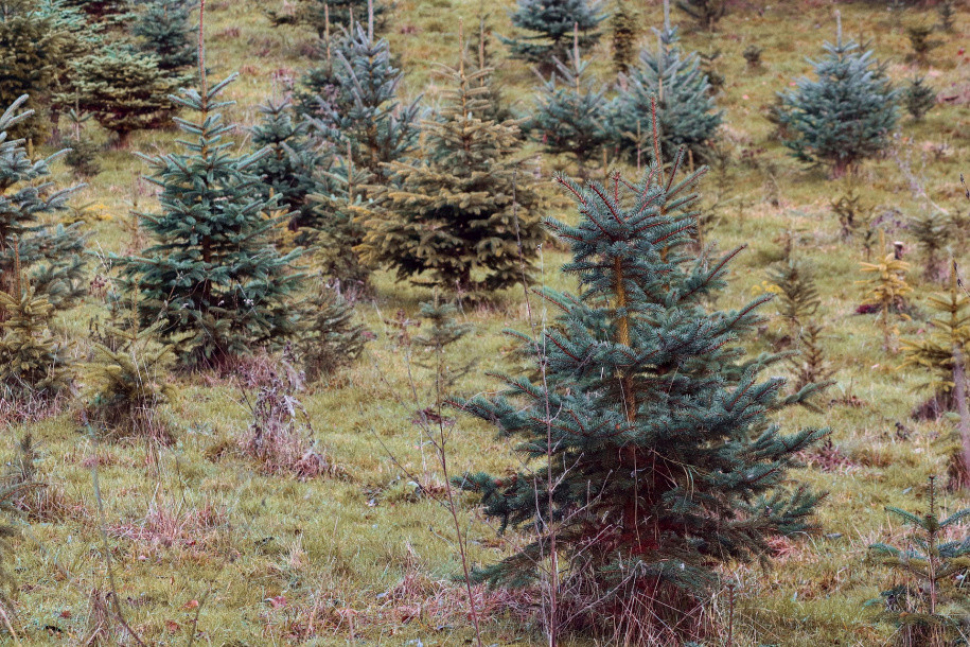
x,y
84,59
97,56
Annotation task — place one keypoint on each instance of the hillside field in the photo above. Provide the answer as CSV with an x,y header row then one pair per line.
x,y
200,539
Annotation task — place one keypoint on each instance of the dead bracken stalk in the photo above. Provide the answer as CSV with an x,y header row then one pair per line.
x,y
280,434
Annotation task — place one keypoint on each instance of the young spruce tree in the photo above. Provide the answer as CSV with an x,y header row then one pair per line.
x,y
550,24
364,109
338,227
919,98
675,82
569,112
125,91
49,257
34,366
646,428
931,606
165,31
937,349
625,29
291,169
461,214
31,48
844,116
212,276
321,15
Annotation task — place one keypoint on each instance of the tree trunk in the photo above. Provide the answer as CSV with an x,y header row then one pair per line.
x,y
840,168
124,139
960,393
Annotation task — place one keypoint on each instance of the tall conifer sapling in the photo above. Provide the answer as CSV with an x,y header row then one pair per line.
x,y
650,451
466,215
211,277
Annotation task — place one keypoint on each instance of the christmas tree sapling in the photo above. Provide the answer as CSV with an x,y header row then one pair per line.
x,y
164,30
211,277
844,116
549,25
125,91
50,257
919,98
363,108
467,215
645,428
291,171
932,606
568,117
671,84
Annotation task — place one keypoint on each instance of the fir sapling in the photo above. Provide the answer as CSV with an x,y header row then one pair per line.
x,y
547,27
931,606
32,249
125,91
670,83
846,114
649,452
919,98
568,116
219,288
467,217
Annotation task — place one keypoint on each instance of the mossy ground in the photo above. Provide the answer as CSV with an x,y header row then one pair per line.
x,y
360,560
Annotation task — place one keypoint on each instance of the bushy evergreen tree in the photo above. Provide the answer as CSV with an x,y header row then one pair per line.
x,y
752,56
129,381
568,117
549,25
79,40
338,227
125,91
646,429
50,257
919,98
318,86
33,50
920,41
331,338
851,210
847,114
932,232
211,276
365,110
291,170
164,30
83,154
625,33
709,67
686,114
33,364
461,213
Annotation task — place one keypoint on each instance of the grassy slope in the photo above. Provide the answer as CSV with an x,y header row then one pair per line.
x,y
369,561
